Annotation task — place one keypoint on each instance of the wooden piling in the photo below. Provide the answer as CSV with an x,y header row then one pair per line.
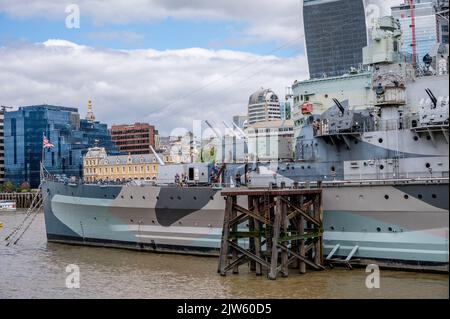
x,y
277,237
23,200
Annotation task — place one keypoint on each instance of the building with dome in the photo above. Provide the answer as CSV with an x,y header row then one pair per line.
x,y
263,106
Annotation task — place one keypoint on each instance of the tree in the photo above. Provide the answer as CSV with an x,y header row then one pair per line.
x,y
8,187
24,187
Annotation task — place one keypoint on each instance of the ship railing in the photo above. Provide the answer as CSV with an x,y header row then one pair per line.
x,y
431,180
371,125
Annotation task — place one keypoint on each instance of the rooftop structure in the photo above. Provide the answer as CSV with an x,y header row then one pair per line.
x,y
263,105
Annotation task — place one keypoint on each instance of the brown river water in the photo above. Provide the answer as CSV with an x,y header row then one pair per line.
x,y
36,269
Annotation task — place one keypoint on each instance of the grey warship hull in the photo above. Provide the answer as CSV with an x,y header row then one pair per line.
x,y
403,231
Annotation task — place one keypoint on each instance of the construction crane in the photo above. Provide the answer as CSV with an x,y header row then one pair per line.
x,y
413,32
3,108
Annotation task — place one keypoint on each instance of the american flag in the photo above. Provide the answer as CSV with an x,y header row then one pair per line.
x,y
46,143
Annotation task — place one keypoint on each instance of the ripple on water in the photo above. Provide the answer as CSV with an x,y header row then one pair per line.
x,y
36,269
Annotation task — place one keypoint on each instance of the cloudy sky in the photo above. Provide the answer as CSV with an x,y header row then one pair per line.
x,y
166,62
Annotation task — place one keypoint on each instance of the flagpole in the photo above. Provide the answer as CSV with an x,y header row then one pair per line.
x,y
42,158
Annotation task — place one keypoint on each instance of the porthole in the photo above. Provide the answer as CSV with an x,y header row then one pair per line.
x,y
380,140
433,195
427,165
333,169
378,229
171,197
143,197
386,196
303,167
211,197
309,167
405,196
326,95
179,198
131,220
415,138
381,166
195,197
332,227
121,196
131,197
153,221
157,197
419,196
390,228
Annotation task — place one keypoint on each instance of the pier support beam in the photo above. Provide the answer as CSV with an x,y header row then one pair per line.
x,y
283,227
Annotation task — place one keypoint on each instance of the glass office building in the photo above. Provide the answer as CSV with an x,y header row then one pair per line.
x,y
425,27
96,133
23,138
335,33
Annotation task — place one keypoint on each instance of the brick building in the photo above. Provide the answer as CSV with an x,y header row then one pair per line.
x,y
135,138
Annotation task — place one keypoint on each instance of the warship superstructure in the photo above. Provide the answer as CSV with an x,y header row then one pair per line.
x,y
383,165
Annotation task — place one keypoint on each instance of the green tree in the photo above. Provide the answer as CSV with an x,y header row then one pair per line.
x,y
8,187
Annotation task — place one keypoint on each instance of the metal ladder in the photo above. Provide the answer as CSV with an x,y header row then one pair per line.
x,y
339,261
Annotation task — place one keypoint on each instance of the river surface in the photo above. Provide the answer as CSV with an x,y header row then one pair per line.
x,y
34,268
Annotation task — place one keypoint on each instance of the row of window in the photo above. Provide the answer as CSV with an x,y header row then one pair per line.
x,y
100,170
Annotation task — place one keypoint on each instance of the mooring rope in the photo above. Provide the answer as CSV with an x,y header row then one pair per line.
x,y
35,206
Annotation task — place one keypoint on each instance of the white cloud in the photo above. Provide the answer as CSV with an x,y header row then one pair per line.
x,y
161,87
264,20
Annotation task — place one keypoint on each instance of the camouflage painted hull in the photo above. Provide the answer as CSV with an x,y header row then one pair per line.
x,y
401,231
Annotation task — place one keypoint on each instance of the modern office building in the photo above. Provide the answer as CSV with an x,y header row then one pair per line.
x,y
335,33
24,133
135,138
263,105
2,148
426,27
442,15
285,110
96,133
271,141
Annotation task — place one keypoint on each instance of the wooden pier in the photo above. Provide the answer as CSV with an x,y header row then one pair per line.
x,y
283,228
23,200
